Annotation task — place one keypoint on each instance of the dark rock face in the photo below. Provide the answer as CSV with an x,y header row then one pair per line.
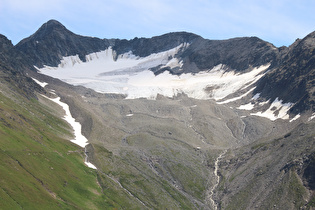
x,y
13,67
143,46
5,44
293,79
309,172
52,41
237,54
10,56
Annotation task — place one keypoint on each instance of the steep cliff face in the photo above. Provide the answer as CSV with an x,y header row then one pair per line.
x,y
293,79
237,54
146,46
13,67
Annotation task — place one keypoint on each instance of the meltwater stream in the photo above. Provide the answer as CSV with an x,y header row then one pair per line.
x,y
216,166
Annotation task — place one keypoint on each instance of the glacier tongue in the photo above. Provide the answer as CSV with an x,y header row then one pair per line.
x,y
130,75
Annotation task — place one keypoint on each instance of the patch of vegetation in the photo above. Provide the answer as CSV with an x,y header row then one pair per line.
x,y
258,146
39,168
311,203
297,190
289,193
189,179
241,199
132,170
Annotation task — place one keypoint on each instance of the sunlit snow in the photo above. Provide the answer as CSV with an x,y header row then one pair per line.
x,y
311,117
130,75
248,106
90,165
256,96
236,98
277,110
295,118
43,84
79,138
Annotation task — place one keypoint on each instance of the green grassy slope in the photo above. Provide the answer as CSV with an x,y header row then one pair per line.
x,y
39,168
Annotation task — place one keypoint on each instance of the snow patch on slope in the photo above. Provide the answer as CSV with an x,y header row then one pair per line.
x,y
248,106
311,117
236,98
277,110
79,138
42,84
295,118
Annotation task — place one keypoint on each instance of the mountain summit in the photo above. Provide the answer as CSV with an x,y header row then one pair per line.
x,y
52,41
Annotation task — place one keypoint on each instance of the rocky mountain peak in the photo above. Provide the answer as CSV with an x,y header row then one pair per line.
x,y
308,42
52,25
52,41
5,43
50,29
293,79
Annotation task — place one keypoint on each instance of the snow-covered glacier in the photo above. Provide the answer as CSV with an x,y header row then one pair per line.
x,y
128,74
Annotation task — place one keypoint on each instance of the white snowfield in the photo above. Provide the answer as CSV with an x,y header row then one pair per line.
x,y
130,75
311,117
79,138
42,84
277,110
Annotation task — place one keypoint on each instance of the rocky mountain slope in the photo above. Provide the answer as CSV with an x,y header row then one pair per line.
x,y
293,80
13,65
231,125
40,167
275,173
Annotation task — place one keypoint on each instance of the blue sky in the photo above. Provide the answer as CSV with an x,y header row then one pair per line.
x,y
277,21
